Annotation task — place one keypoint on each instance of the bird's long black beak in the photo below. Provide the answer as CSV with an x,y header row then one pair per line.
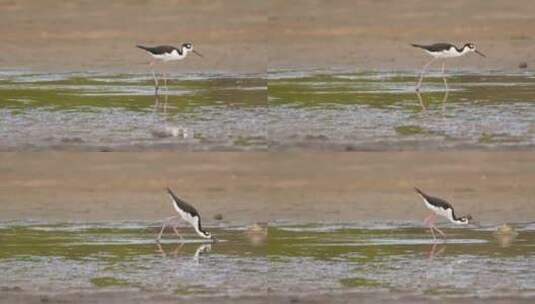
x,y
479,53
197,53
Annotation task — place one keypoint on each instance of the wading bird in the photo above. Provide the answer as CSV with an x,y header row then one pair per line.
x,y
167,53
188,213
442,208
444,51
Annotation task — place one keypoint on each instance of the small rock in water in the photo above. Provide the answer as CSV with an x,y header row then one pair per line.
x,y
523,65
218,217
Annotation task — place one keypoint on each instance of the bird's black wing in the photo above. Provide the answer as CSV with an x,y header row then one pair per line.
x,y
160,50
435,200
183,205
437,47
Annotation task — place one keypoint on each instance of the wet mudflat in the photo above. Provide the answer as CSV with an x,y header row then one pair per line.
x,y
287,110
101,112
293,261
381,111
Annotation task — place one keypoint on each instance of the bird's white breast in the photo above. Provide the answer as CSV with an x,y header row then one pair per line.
x,y
447,213
450,53
186,216
192,220
174,55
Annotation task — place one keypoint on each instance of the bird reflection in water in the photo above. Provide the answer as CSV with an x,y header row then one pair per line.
x,y
201,249
436,250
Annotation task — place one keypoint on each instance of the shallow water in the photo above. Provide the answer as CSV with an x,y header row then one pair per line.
x,y
94,111
286,110
294,260
368,111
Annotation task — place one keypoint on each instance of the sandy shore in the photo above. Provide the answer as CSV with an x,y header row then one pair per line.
x,y
144,297
79,35
369,34
495,187
249,36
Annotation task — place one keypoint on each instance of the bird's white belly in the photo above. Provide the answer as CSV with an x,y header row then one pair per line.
x,y
174,55
451,53
185,216
192,220
439,211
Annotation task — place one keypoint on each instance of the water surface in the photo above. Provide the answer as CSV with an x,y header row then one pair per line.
x,y
287,110
292,261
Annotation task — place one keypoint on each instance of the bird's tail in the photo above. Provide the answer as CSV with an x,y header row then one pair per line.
x,y
146,49
170,192
417,45
174,197
419,191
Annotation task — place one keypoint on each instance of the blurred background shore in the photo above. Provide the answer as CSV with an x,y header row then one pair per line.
x,y
252,36
495,187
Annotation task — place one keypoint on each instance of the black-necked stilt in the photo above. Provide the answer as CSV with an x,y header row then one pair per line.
x,y
444,51
442,208
189,214
166,53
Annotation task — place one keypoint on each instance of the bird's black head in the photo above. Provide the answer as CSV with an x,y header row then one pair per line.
x,y
470,46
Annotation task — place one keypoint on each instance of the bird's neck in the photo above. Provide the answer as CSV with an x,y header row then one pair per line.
x,y
200,231
454,219
464,50
184,51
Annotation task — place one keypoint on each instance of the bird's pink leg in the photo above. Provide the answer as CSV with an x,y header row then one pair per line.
x,y
445,99
422,74
430,219
440,231
156,87
429,222
176,232
165,223
161,231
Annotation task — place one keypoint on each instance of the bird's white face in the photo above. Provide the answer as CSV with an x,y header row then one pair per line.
x,y
466,219
188,47
210,236
472,48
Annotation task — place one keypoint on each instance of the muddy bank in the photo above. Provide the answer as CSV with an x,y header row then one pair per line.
x,y
250,36
376,34
298,111
495,187
136,297
100,35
